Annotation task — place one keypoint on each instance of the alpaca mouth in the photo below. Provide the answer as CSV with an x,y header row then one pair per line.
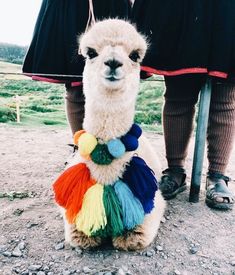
x,y
112,78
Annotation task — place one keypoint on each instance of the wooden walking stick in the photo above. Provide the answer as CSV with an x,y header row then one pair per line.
x,y
17,108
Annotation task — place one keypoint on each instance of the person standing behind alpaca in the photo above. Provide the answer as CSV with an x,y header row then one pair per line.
x,y
53,49
190,40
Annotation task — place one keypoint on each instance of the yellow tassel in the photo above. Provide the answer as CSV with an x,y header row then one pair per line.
x,y
92,217
86,144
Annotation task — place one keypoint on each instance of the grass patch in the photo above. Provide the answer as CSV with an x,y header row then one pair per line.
x,y
6,94
40,103
55,97
7,114
149,104
51,122
41,109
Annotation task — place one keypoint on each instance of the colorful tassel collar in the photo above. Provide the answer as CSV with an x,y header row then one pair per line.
x,y
106,210
103,153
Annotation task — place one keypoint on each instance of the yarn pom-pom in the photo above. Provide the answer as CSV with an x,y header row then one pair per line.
x,y
116,148
91,217
70,188
114,214
86,144
77,136
131,142
100,155
142,182
133,212
135,130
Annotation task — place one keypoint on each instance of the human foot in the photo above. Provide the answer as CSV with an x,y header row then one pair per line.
x,y
172,182
218,195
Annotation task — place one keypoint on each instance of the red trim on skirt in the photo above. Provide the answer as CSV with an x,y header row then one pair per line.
x,y
51,80
218,74
184,71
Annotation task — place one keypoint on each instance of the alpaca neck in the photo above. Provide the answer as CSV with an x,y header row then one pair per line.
x,y
106,121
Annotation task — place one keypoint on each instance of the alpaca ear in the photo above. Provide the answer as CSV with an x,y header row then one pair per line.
x,y
79,41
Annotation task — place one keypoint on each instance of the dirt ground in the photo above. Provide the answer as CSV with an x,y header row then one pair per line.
x,y
192,239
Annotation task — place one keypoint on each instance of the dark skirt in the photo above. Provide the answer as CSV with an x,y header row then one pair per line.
x,y
188,36
54,47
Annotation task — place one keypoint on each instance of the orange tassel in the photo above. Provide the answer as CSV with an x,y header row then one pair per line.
x,y
71,187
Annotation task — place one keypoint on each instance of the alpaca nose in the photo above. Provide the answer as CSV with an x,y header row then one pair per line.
x,y
113,64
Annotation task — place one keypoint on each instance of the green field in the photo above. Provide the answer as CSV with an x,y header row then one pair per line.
x,y
43,103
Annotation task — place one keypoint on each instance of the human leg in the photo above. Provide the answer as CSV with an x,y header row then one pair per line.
x,y
178,114
221,126
74,104
220,137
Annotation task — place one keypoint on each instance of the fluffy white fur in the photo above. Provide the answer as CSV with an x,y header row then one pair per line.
x,y
109,113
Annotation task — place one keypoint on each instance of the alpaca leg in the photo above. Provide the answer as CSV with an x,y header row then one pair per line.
x,y
77,238
131,240
144,234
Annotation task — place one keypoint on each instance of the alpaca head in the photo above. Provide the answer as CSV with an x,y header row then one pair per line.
x,y
113,50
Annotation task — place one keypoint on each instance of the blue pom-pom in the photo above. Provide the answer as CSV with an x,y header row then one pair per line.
x,y
131,142
116,148
142,182
135,130
132,209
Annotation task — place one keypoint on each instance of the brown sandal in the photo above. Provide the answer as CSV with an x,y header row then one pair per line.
x,y
172,182
217,187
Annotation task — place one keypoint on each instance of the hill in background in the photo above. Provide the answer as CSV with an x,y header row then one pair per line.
x,y
12,53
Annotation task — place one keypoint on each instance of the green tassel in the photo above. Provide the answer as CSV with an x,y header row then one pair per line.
x,y
100,155
113,212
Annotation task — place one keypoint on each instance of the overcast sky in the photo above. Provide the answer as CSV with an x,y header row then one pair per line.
x,y
17,19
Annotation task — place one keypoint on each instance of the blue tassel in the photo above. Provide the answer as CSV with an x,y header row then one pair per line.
x,y
142,182
135,130
133,212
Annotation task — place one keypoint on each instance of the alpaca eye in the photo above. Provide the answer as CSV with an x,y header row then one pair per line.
x,y
91,53
134,56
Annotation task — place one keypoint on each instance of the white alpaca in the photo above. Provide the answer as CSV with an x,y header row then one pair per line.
x,y
113,50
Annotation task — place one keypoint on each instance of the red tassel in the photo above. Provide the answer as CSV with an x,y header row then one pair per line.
x,y
71,187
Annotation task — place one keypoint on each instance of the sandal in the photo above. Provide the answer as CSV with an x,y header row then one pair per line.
x,y
217,187
172,182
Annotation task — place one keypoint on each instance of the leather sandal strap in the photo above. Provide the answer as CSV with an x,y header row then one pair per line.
x,y
220,188
177,170
216,176
169,173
